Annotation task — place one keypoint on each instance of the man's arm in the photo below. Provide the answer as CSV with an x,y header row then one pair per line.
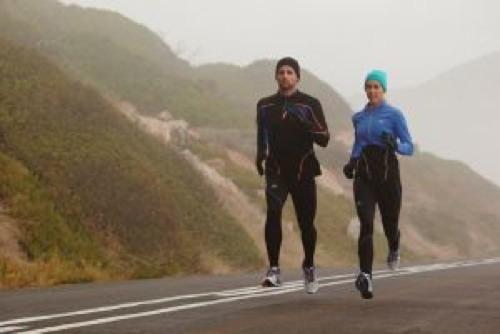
x,y
319,131
262,141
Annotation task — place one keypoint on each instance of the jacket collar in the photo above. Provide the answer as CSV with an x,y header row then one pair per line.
x,y
290,97
369,108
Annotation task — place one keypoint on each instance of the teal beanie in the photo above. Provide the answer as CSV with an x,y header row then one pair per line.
x,y
379,76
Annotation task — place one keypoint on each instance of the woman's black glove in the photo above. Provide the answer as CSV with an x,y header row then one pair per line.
x,y
349,168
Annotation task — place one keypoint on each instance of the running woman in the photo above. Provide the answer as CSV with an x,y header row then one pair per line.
x,y
380,133
288,123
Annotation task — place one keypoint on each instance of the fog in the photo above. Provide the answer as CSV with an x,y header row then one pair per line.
x,y
338,40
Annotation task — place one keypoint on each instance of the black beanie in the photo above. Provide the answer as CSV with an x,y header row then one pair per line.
x,y
290,62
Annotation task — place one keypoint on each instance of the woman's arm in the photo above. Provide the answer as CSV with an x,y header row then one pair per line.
x,y
405,144
356,146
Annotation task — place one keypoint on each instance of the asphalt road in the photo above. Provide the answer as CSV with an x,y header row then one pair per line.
x,y
460,297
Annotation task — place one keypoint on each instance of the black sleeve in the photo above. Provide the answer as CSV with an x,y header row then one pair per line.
x,y
320,133
261,134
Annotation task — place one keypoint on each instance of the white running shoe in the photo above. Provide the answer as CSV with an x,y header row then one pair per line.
x,y
393,259
364,285
272,278
311,284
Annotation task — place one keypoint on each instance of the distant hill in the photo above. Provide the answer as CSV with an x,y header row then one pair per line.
x,y
455,114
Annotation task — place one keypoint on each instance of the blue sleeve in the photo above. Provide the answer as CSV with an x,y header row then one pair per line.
x,y
356,147
405,144
262,144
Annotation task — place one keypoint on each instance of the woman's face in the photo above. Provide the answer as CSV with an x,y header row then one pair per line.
x,y
287,78
374,92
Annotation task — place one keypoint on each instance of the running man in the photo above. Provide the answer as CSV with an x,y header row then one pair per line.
x,y
380,133
288,123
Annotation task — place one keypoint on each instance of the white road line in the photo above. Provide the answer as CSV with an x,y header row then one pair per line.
x,y
11,329
98,309
258,294
109,308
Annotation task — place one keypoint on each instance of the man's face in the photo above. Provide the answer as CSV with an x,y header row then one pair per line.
x,y
287,78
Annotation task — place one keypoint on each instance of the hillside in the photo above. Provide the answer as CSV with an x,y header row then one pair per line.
x,y
118,56
91,194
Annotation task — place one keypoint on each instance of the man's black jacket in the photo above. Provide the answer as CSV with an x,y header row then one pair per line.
x,y
287,127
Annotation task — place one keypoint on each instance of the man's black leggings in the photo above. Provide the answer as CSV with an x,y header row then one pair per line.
x,y
367,194
303,194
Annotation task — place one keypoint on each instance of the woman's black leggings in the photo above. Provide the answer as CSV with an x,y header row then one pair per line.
x,y
303,194
367,194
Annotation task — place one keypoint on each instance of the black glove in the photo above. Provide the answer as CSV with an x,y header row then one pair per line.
x,y
301,117
258,163
389,141
349,168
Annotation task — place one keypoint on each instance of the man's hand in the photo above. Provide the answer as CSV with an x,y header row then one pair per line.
x,y
349,168
389,141
259,164
300,116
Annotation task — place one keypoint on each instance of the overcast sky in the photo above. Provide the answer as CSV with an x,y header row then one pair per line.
x,y
338,40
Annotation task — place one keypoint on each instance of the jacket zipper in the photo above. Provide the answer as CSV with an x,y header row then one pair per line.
x,y
285,112
370,116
